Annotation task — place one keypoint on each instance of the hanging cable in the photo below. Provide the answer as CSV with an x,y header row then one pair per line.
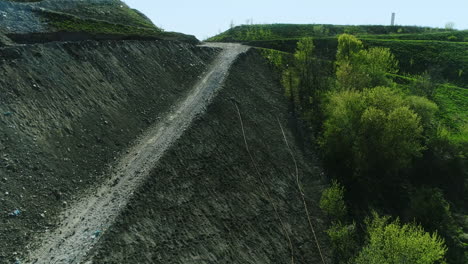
x,y
265,190
301,192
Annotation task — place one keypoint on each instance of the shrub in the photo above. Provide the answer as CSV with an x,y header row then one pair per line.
x,y
348,45
429,208
452,38
343,241
358,68
332,201
371,131
425,109
393,243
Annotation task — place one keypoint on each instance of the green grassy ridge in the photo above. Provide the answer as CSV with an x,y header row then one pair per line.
x,y
447,60
114,11
453,36
453,106
453,103
286,31
325,47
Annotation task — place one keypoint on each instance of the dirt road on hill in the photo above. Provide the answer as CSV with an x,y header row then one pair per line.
x,y
84,222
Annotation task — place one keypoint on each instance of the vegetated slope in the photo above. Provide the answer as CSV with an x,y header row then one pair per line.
x,y
67,110
205,201
444,61
25,17
59,20
114,11
453,102
451,35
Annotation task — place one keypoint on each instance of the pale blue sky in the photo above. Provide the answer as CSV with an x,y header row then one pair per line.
x,y
205,18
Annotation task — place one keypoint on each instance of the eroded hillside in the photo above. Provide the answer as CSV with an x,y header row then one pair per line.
x,y
208,202
67,111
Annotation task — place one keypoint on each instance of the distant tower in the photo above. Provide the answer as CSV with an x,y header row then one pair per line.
x,y
393,19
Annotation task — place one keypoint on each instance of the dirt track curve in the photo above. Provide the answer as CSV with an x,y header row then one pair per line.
x,y
84,223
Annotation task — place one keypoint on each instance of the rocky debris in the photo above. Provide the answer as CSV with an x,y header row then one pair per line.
x,y
15,213
19,18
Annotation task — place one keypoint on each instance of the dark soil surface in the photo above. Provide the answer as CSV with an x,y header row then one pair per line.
x,y
4,40
205,203
96,211
67,110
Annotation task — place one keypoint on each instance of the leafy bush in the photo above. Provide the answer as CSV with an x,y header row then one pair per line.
x,y
348,46
393,243
343,241
425,109
373,130
358,68
423,85
332,202
429,208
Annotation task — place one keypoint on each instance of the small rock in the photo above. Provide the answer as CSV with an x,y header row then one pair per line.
x,y
15,213
96,234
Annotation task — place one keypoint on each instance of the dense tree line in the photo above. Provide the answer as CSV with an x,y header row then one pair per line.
x,y
387,153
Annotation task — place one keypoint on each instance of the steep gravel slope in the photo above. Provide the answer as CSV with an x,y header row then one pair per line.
x,y
205,202
67,110
87,219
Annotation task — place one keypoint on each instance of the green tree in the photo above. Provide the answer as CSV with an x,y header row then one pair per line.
x,y
343,112
393,243
371,131
332,202
358,68
343,240
304,60
290,82
425,109
428,207
375,63
423,85
348,45
449,26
